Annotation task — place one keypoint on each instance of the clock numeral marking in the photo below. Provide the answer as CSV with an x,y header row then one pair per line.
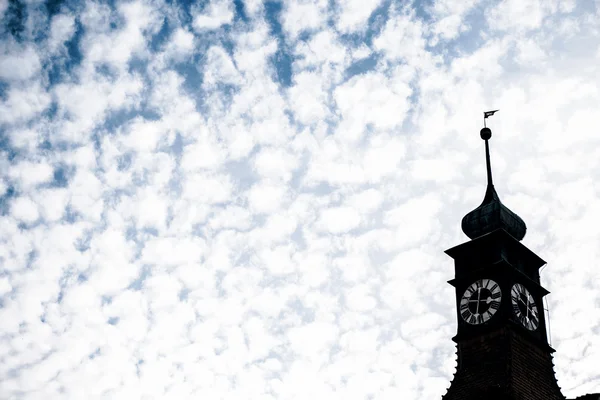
x,y
524,307
480,301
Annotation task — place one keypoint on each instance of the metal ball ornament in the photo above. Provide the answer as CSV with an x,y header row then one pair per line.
x,y
485,133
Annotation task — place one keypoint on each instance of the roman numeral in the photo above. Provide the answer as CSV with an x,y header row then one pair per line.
x,y
496,295
495,305
534,312
465,314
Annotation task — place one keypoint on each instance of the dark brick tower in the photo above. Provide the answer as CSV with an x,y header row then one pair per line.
x,y
502,347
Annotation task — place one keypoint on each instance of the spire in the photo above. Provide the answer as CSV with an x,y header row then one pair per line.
x,y
491,214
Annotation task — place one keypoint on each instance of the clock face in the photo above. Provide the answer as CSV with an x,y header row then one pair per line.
x,y
524,307
480,301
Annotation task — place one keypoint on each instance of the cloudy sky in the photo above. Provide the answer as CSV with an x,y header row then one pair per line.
x,y
248,199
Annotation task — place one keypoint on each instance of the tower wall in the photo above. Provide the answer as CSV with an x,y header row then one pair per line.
x,y
505,366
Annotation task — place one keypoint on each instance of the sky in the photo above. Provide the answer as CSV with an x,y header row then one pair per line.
x,y
247,199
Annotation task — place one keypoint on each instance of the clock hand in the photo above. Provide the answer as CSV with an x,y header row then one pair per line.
x,y
478,300
521,300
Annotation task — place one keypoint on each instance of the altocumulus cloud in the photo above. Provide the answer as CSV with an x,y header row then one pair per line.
x,y
247,199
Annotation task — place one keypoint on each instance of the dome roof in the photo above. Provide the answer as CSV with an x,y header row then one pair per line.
x,y
492,214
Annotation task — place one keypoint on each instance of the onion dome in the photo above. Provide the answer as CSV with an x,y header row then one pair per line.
x,y
492,214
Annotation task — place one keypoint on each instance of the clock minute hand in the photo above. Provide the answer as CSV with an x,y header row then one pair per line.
x,y
521,300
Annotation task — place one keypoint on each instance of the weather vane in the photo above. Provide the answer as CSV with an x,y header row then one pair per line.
x,y
487,114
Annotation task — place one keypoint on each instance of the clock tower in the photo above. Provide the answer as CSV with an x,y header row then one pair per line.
x,y
502,347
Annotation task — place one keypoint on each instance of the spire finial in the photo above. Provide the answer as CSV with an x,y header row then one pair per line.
x,y
486,134
491,214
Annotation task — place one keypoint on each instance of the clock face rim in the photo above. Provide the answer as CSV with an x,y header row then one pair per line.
x,y
524,320
467,300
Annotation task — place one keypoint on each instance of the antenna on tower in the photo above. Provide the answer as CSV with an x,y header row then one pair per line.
x,y
547,310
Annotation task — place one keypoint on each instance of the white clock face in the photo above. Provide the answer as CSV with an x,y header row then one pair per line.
x,y
524,307
480,301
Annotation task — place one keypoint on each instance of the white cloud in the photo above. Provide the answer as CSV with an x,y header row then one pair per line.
x,y
29,174
215,14
252,7
53,203
203,154
308,97
266,197
62,29
403,38
339,219
22,104
19,64
520,15
3,6
86,104
354,14
25,210
323,52
384,103
172,251
301,16
366,201
232,217
183,41
5,286
275,163
220,68
450,17
202,188
312,338
116,48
